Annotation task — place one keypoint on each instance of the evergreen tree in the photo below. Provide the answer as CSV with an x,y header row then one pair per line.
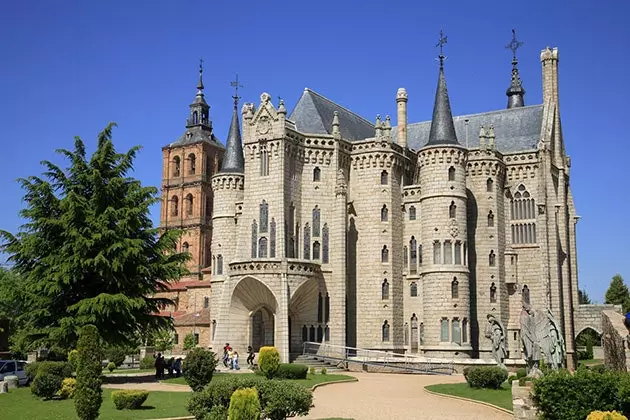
x,y
88,396
583,298
89,253
618,293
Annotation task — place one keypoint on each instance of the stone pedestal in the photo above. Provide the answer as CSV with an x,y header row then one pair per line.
x,y
11,381
523,402
4,387
146,351
31,357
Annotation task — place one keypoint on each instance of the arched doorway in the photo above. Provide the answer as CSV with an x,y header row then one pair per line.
x,y
308,310
262,328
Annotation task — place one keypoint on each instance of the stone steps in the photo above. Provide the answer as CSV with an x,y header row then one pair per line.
x,y
318,364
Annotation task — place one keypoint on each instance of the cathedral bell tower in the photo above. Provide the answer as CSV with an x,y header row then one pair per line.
x,y
187,199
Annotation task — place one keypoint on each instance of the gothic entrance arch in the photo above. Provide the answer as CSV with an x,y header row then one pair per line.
x,y
252,316
308,315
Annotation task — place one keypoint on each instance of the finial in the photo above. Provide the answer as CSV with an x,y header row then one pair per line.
x,y
335,124
443,40
378,125
281,108
200,84
236,85
514,45
515,92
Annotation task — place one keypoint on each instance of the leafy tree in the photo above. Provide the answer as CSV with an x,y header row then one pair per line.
x,y
88,394
199,366
14,300
583,297
618,293
163,340
190,341
88,253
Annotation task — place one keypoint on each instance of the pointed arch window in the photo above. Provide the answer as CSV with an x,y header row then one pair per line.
x,y
492,259
316,221
327,308
174,206
254,238
219,264
185,247
414,333
316,250
458,253
413,289
455,288
311,333
177,166
384,254
325,244
304,333
195,117
525,295
189,204
412,213
444,329
264,162
385,290
262,247
272,238
490,219
456,332
451,173
264,216
452,209
192,164
493,293
437,252
307,242
384,213
384,178
413,255
406,333
317,174
448,252
464,330
489,185
385,331
320,308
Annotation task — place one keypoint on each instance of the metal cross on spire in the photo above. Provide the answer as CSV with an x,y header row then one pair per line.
x,y
443,40
200,85
514,45
236,85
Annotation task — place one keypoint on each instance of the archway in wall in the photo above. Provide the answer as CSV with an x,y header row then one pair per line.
x,y
253,308
589,344
307,316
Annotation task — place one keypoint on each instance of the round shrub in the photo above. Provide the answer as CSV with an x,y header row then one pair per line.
x,y
521,373
285,399
244,405
312,370
218,393
68,386
511,379
268,361
486,377
606,415
88,396
291,371
199,367
116,356
62,369
147,362
324,371
218,412
129,399
111,366
45,385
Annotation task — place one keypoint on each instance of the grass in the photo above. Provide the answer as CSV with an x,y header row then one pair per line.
x,y
591,362
500,397
20,404
120,371
307,383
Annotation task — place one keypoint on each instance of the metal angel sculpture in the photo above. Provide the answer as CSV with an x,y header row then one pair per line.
x,y
496,332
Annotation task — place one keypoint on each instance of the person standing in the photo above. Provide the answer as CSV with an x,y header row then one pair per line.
x,y
235,361
250,356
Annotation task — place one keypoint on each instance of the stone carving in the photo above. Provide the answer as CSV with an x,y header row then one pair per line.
x,y
341,187
551,340
542,336
529,338
264,125
495,331
453,227
265,98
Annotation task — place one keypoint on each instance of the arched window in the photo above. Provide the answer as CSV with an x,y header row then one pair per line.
x,y
316,250
437,252
451,173
406,333
412,213
304,333
385,290
489,185
490,219
254,238
264,216
219,264
262,247
325,244
272,238
189,204
444,329
206,302
413,289
192,164
448,252
414,333
458,253
384,178
464,330
455,288
384,254
307,242
316,221
384,213
317,174
311,334
327,308
526,295
493,293
174,206
195,117
456,332
523,207
413,254
185,247
326,333
320,334
452,210
320,308
176,166
492,259
385,331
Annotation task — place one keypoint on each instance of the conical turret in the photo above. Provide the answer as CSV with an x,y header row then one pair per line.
x,y
233,160
442,127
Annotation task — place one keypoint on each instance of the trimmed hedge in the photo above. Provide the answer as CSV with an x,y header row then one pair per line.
x,y
62,369
244,405
199,366
268,361
606,415
128,399
291,371
88,396
147,362
45,385
486,376
68,386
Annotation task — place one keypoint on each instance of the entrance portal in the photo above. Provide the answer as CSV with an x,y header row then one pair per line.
x,y
262,329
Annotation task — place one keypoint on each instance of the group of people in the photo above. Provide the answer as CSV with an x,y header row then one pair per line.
x,y
230,357
172,365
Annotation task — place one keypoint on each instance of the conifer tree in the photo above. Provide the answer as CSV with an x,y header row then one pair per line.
x,y
88,252
88,396
618,293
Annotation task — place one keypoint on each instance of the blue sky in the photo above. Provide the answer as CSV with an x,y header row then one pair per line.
x,y
68,68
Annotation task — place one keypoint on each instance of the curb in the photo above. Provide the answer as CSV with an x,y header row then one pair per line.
x,y
314,387
496,407
177,418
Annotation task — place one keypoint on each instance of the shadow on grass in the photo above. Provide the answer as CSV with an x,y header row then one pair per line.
x,y
137,379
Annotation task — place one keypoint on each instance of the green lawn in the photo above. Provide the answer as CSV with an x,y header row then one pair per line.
x,y
591,362
307,383
20,404
499,397
120,371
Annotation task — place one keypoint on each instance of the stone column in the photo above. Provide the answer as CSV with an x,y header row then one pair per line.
x,y
401,102
282,320
337,288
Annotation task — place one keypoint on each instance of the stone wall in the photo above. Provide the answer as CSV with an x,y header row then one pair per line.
x,y
523,402
614,340
589,316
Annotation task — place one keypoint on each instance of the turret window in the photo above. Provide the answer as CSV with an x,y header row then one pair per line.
x,y
437,252
413,289
325,244
384,254
307,241
219,264
490,219
413,256
444,329
492,259
448,252
493,293
385,331
384,213
264,216
452,209
192,162
272,238
455,288
316,221
262,247
176,166
185,247
384,178
174,206
489,185
189,204
385,290
412,213
317,174
195,117
458,253
456,332
254,238
451,173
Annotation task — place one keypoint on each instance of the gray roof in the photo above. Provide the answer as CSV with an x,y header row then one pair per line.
x,y
196,134
233,160
314,114
516,129
442,129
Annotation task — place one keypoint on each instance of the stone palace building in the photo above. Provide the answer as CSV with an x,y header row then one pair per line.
x,y
318,225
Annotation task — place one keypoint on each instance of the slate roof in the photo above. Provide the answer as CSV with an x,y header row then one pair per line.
x,y
199,134
314,114
233,159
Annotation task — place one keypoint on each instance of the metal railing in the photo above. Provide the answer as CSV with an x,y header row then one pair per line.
x,y
342,356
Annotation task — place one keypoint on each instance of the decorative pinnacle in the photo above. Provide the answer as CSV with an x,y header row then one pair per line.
x,y
200,84
443,40
236,85
514,45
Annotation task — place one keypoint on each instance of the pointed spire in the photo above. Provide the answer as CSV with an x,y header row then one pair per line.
x,y
199,109
515,92
378,126
335,125
200,84
233,159
442,127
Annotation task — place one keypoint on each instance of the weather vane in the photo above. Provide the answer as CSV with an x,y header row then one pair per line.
x,y
236,85
514,45
443,40
201,65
